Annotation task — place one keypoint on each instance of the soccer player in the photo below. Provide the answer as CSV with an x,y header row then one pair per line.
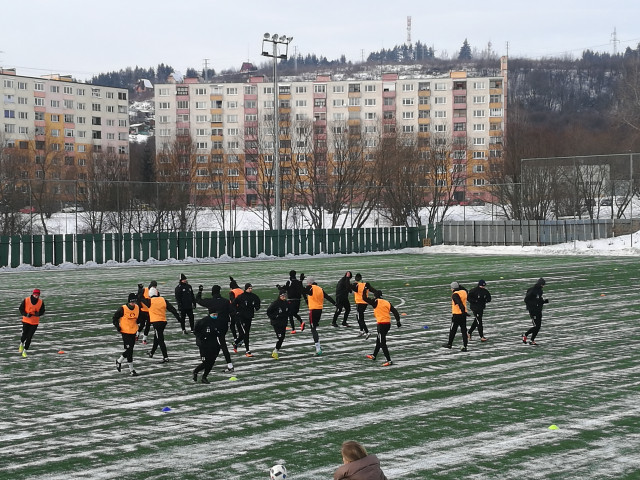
x,y
207,341
234,291
294,296
158,307
382,310
314,296
31,308
126,320
278,313
478,298
358,288
145,325
186,302
221,306
534,301
343,289
459,315
245,305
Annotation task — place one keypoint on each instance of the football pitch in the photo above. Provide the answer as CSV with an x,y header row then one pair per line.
x,y
435,413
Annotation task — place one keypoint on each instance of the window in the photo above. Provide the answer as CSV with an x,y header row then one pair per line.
x,y
423,128
338,89
354,88
233,131
9,114
408,87
439,128
440,86
96,107
122,95
407,129
320,102
407,115
338,102
55,103
459,127
370,115
69,132
232,118
495,112
232,104
478,168
301,103
407,101
479,85
479,155
81,106
183,117
38,102
478,113
202,145
232,90
495,98
96,135
233,172
301,89
478,127
354,101
479,182
233,145
440,100
440,114
478,140
424,86
319,88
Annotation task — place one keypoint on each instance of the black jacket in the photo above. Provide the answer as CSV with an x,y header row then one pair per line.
x,y
219,305
185,299
294,289
343,288
246,304
278,311
206,331
478,298
534,299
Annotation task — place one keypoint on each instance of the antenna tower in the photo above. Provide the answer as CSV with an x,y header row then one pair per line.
x,y
409,30
615,41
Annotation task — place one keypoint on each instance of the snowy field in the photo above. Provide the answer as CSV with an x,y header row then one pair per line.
x,y
435,413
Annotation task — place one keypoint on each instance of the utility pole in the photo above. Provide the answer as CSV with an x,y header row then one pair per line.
x,y
615,41
206,69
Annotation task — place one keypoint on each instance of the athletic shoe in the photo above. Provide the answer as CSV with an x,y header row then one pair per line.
x,y
319,352
532,343
370,357
275,355
136,338
228,370
345,324
144,342
133,373
366,336
334,324
293,331
20,348
387,364
235,348
24,353
149,354
165,360
361,334
463,349
248,354
195,376
184,332
118,366
302,325
446,345
468,336
205,380
483,339
524,339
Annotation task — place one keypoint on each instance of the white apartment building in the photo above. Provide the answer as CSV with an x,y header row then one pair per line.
x,y
230,123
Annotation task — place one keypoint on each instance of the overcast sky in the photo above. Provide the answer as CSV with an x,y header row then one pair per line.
x,y
86,37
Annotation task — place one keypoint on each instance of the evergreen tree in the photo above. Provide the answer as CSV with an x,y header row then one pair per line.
x,y
465,51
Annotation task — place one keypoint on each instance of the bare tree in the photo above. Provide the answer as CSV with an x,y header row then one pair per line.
x,y
12,173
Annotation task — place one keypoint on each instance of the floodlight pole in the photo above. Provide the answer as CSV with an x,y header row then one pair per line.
x,y
276,39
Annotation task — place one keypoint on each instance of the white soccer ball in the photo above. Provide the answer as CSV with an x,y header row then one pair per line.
x,y
278,472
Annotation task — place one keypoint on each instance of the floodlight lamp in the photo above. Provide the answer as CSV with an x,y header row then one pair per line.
x,y
266,36
289,39
275,37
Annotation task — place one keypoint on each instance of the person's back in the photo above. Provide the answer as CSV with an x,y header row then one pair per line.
x,y
358,465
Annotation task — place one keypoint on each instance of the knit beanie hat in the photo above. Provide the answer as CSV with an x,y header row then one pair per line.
x,y
482,283
183,277
455,285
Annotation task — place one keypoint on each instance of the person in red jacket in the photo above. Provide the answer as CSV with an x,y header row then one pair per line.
x,y
358,465
382,310
31,308
126,321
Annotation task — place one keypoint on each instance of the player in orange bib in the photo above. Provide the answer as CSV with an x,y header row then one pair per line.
x,y
126,321
314,296
31,308
382,310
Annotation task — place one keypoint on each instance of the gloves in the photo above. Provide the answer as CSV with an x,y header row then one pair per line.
x,y
278,286
398,324
288,284
140,286
546,300
301,276
200,288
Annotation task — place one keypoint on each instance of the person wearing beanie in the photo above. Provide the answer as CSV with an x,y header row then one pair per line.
x,y
314,296
222,307
234,291
382,310
278,313
294,289
358,287
478,298
31,308
245,305
144,324
158,307
207,336
126,320
534,302
186,302
343,289
459,315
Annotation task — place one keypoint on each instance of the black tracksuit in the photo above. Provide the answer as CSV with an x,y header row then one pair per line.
x,y
278,313
343,289
223,308
207,341
186,302
535,301
294,296
478,298
245,304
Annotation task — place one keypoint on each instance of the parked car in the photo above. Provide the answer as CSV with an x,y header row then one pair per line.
x,y
606,202
72,209
28,209
476,202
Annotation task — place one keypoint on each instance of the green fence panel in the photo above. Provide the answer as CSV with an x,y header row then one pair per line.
x,y
5,243
173,245
222,243
36,250
260,247
136,249
198,241
253,240
154,247
98,243
237,244
205,244
268,241
27,249
245,243
48,249
230,242
318,241
146,239
16,257
87,244
127,244
70,248
78,241
108,247
213,252
163,245
182,245
189,243
332,240
309,241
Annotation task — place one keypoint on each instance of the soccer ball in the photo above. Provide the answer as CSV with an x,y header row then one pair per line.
x,y
278,472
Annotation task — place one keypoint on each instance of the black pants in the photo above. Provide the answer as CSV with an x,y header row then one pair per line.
x,y
222,342
232,325
183,315
294,308
342,303
381,340
536,320
244,327
208,353
477,322
27,334
144,324
129,340
314,322
458,321
280,328
361,307
158,338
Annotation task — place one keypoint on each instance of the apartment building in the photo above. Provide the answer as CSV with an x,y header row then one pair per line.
x,y
231,126
56,124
